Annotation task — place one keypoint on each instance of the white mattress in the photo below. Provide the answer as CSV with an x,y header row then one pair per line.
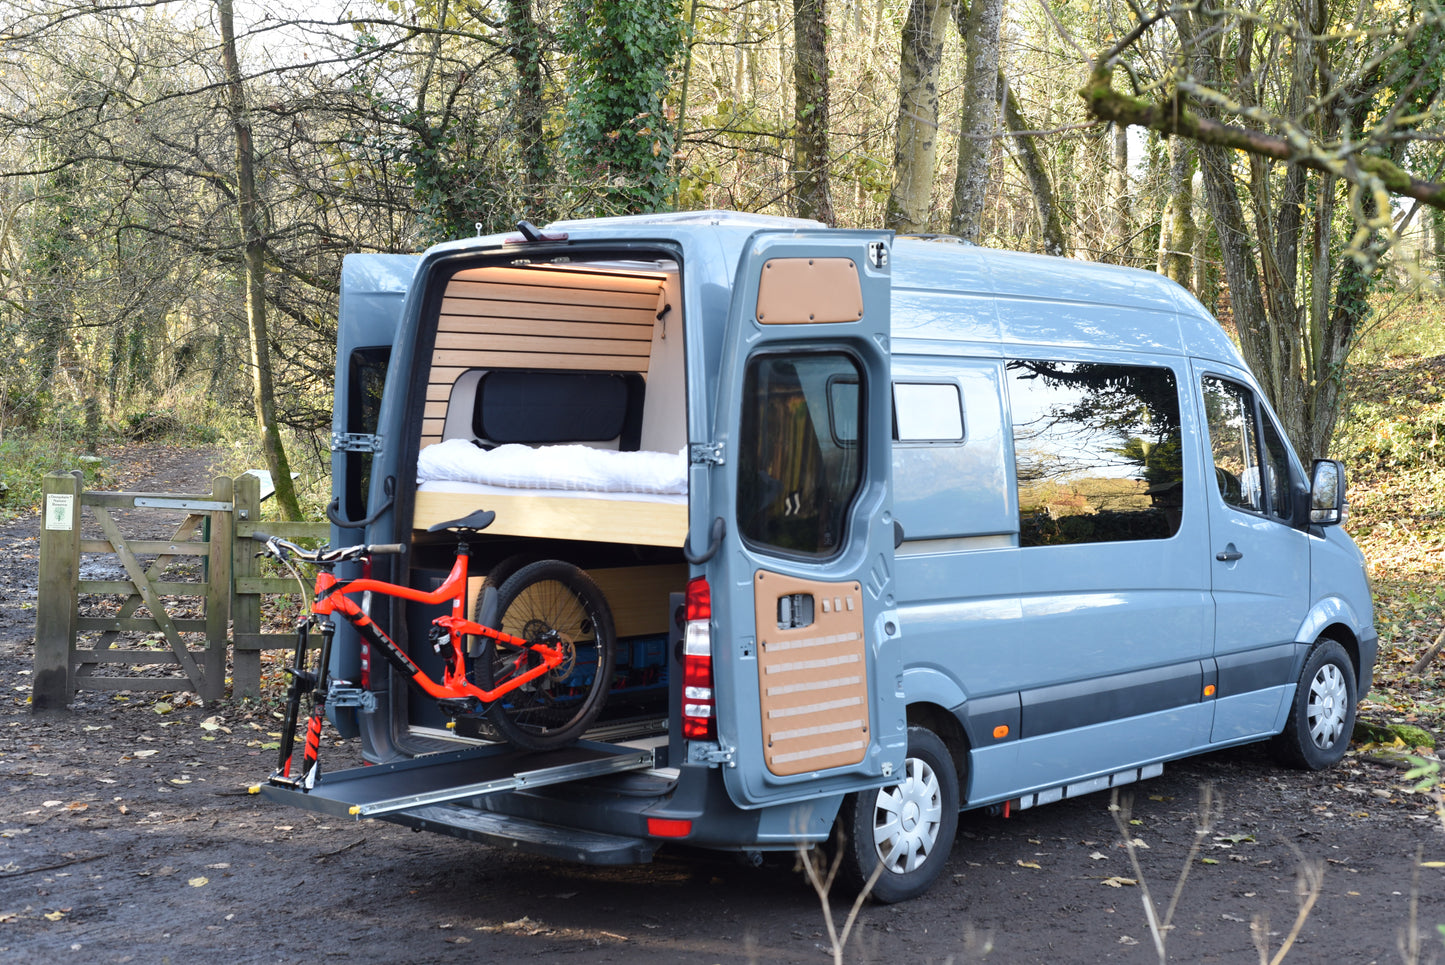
x,y
555,470
453,486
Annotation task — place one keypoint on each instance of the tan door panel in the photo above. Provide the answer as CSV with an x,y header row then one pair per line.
x,y
798,291
813,677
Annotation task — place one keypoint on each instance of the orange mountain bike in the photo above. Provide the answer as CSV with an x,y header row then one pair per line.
x,y
540,675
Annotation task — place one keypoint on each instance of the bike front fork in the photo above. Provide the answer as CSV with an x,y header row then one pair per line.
x,y
304,682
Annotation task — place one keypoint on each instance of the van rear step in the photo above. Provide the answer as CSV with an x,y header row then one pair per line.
x,y
532,837
386,789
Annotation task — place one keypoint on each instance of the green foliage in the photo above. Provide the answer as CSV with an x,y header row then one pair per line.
x,y
1392,439
619,141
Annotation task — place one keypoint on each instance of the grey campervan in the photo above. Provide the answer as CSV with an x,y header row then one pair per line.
x,y
914,527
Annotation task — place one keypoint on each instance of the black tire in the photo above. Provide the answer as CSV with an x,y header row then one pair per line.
x,y
907,827
557,707
1322,719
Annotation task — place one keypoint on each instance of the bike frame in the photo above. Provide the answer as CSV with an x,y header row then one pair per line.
x,y
332,598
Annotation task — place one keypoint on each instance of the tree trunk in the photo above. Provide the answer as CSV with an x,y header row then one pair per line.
x,y
254,264
526,53
916,148
1121,229
1438,230
812,196
1026,152
1176,225
978,24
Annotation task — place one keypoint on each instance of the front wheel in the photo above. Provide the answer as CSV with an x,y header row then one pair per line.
x,y
542,599
906,827
1322,719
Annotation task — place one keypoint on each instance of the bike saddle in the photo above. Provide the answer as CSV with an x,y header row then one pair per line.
x,y
475,522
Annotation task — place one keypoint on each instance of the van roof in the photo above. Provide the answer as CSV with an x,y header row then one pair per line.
x,y
950,291
945,290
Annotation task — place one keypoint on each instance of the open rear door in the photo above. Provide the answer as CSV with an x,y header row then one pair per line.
x,y
808,673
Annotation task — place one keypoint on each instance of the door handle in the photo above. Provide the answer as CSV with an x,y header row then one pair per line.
x,y
1229,554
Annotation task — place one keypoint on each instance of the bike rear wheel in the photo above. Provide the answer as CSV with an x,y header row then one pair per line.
x,y
557,707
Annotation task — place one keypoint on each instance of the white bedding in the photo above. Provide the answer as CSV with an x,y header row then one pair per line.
x,y
581,470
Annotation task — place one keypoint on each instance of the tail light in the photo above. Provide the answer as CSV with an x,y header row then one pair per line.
x,y
699,720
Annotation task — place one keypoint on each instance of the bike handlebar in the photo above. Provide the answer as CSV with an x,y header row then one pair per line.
x,y
281,548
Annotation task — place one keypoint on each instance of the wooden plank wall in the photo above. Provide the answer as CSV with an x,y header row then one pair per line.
x,y
542,318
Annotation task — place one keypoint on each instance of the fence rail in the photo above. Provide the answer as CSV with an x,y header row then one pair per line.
x,y
173,607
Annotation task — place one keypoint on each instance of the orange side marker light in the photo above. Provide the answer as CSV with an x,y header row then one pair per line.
x,y
1209,690
1000,732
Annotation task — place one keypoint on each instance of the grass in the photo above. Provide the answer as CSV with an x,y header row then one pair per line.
x,y
1392,439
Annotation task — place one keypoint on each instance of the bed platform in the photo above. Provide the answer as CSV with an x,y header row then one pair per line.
x,y
556,399
594,517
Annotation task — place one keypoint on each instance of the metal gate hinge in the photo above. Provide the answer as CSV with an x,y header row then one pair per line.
x,y
355,442
706,454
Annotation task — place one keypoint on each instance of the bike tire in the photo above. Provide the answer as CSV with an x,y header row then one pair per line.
x,y
557,707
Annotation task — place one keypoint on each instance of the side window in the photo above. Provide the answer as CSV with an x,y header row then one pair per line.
x,y
927,412
798,459
1276,473
1234,441
1251,458
366,378
1096,451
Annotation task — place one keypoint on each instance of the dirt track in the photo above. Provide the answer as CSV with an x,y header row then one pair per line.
x,y
126,835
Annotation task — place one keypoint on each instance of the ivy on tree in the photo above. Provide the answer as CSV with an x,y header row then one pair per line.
x,y
618,143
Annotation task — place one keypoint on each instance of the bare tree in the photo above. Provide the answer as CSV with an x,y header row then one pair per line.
x,y
978,24
916,145
812,190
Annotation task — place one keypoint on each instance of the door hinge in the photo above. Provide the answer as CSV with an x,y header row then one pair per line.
x,y
709,754
878,254
355,442
706,454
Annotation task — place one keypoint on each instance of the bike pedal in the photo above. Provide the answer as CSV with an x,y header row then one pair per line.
x,y
458,706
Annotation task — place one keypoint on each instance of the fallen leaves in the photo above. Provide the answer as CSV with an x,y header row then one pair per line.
x,y
1117,881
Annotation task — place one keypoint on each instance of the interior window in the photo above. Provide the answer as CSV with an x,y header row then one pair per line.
x,y
796,476
1096,451
927,412
1233,439
367,378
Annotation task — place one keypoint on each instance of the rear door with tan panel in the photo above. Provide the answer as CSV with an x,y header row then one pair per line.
x,y
805,655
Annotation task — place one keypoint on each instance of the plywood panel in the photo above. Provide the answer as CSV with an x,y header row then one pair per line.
x,y
610,324
577,297
598,520
813,680
553,278
539,360
487,342
638,595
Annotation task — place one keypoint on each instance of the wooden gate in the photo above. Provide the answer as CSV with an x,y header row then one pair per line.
x,y
117,613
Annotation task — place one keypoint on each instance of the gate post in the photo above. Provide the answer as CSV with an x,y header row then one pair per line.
x,y
55,607
218,592
245,607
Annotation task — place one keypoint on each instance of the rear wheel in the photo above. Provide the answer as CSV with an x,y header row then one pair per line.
x,y
906,827
556,708
1323,716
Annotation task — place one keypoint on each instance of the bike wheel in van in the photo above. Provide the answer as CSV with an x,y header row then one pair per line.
x,y
557,707
907,827
1323,716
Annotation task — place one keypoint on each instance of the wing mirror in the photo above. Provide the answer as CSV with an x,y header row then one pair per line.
x,y
1327,492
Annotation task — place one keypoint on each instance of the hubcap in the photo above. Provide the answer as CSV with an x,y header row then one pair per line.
x,y
1327,707
906,818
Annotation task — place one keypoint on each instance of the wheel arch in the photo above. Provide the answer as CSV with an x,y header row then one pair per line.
x,y
1333,618
947,727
